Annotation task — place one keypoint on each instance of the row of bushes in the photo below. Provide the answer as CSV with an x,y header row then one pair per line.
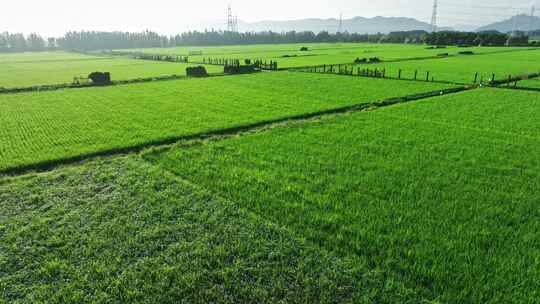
x,y
219,61
239,69
200,71
436,47
145,56
367,60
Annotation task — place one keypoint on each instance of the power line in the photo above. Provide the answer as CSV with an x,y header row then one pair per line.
x,y
340,27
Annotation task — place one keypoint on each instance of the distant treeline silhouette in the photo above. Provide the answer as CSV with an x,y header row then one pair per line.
x,y
89,40
491,38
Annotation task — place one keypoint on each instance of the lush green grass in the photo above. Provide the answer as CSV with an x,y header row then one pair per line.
x,y
28,69
57,68
122,231
44,126
320,53
440,195
463,68
31,57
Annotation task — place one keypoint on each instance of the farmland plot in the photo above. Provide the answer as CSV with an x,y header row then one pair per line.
x,y
62,69
33,57
44,126
462,69
441,196
289,55
120,230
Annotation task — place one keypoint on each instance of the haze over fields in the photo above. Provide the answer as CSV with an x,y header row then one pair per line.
x,y
168,17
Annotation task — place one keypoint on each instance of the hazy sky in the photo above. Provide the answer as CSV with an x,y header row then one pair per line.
x,y
54,17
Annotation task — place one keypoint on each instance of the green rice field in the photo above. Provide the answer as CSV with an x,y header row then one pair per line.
x,y
45,126
432,194
463,68
273,186
60,68
289,55
125,231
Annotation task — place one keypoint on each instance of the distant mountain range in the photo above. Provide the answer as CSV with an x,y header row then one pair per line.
x,y
516,23
355,25
383,25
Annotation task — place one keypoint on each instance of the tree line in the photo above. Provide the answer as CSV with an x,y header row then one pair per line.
x,y
488,38
91,40
17,42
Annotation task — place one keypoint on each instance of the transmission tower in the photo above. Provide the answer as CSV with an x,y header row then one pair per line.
x,y
531,21
232,22
340,27
434,16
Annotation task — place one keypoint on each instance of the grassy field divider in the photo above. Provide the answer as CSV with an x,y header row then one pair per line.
x,y
226,132
513,79
518,88
370,63
355,71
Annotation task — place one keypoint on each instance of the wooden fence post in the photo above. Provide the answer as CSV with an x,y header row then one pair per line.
x,y
399,74
427,76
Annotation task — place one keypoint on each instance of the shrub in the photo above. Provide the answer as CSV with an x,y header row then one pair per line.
x,y
239,69
436,47
198,71
100,78
358,60
247,61
466,53
443,55
304,49
374,59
